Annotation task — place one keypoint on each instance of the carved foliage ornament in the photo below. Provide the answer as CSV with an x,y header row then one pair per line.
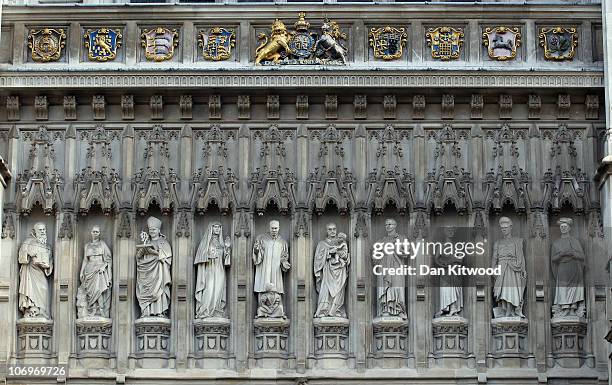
x,y
559,42
217,44
501,42
46,44
102,43
445,42
159,43
388,42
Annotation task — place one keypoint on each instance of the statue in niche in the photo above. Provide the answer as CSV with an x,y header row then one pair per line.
x,y
451,290
331,262
153,278
212,257
36,264
390,289
567,257
271,259
509,286
94,293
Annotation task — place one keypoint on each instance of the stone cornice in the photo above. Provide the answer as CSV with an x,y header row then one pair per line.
x,y
266,12
308,79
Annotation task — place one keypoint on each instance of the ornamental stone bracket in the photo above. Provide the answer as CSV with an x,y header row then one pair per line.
x,y
94,337
568,342
271,338
153,340
34,338
450,341
331,341
212,339
390,339
509,342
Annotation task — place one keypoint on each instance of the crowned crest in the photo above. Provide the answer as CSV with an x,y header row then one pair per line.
x,y
159,43
46,44
218,44
388,42
559,43
102,44
501,42
445,42
302,43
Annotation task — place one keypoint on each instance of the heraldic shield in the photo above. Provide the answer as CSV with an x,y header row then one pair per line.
x,y
303,41
102,44
559,43
159,43
445,42
388,42
501,42
46,44
218,44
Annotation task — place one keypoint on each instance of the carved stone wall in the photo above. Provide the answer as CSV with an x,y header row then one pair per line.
x,y
244,170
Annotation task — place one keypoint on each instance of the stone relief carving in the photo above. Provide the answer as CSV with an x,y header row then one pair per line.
x,y
501,42
559,42
96,278
159,43
271,259
331,262
509,287
387,42
445,42
451,290
217,43
390,289
46,44
102,43
35,266
567,257
153,278
211,259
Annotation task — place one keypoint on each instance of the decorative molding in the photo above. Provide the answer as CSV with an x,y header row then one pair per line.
x,y
41,108
157,107
12,108
418,107
244,107
307,79
476,106
331,106
98,104
534,106
389,106
564,102
505,106
360,103
273,106
186,107
301,107
214,107
448,106
127,107
591,106
70,105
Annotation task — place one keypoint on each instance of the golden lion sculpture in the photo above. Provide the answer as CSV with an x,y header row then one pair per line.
x,y
270,48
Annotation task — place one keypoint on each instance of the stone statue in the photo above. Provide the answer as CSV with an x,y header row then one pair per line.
x,y
153,278
331,262
271,259
509,287
211,258
94,293
567,259
390,289
36,264
451,290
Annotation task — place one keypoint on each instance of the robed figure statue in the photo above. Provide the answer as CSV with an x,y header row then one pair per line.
x,y
153,278
35,265
567,257
509,286
212,257
331,262
451,289
271,259
94,293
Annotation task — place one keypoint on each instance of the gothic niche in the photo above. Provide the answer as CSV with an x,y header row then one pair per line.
x,y
449,182
40,183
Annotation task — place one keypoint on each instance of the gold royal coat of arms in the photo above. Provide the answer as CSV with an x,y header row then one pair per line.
x,y
445,42
388,42
159,43
46,44
218,44
501,42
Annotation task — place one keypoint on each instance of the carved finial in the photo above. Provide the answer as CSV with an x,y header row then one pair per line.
x,y
70,132
128,131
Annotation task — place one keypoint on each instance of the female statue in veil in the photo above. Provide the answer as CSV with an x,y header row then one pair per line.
x,y
211,258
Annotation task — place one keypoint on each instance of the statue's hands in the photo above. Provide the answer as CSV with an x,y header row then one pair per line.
x,y
227,243
257,247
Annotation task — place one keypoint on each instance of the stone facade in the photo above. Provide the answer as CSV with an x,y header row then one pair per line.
x,y
194,141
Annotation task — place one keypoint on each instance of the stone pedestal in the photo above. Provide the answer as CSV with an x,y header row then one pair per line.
x,y
509,347
449,341
390,335
211,341
568,334
34,337
271,335
331,339
153,339
94,336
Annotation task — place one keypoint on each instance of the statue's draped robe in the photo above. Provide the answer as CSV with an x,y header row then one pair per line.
x,y
510,285
330,278
568,272
153,278
268,271
390,289
211,259
96,277
33,283
451,291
